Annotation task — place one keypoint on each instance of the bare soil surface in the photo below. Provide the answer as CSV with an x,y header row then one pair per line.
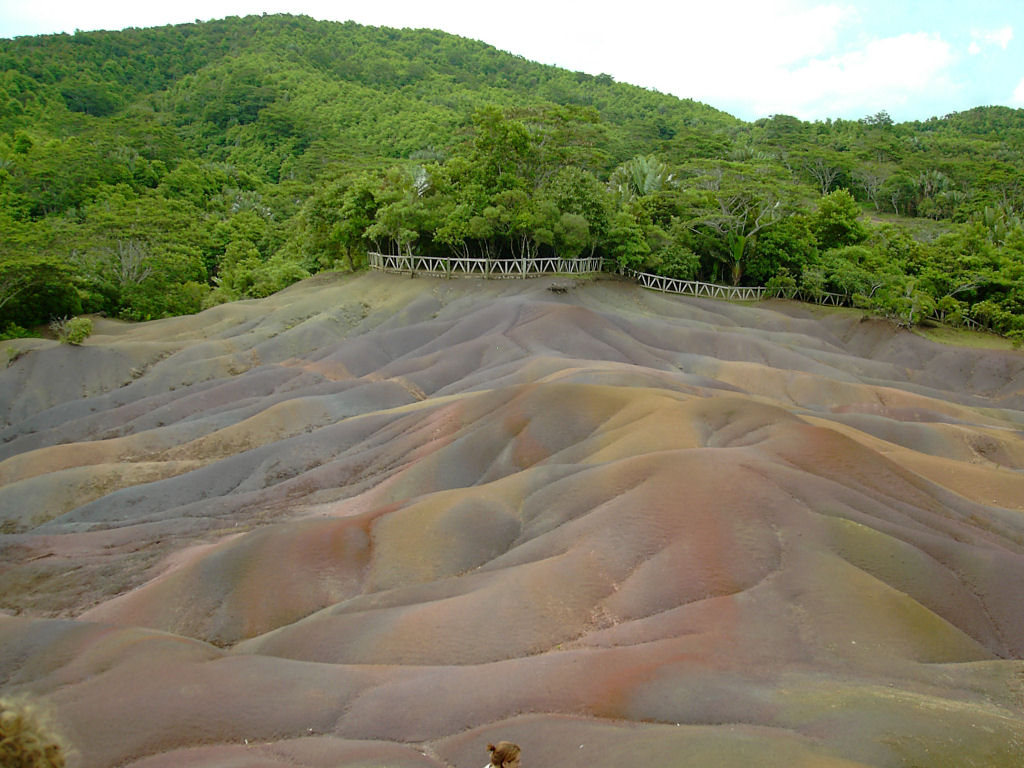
x,y
374,520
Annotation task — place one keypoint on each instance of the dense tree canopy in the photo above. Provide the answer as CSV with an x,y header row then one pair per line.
x,y
156,171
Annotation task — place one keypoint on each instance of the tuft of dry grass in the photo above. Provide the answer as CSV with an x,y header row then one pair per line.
x,y
24,742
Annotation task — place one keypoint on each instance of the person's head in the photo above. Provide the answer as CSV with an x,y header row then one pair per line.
x,y
505,755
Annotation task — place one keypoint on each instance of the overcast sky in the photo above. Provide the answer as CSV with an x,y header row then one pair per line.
x,y
751,58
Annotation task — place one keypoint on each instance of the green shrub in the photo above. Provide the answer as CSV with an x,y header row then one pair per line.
x,y
15,331
73,330
782,284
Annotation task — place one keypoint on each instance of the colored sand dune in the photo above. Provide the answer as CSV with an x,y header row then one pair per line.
x,y
378,521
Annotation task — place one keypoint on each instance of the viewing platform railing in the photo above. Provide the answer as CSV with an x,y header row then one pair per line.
x,y
457,266
696,288
736,292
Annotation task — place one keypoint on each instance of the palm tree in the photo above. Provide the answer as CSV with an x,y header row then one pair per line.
x,y
638,177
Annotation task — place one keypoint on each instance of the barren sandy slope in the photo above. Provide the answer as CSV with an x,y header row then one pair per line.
x,y
381,521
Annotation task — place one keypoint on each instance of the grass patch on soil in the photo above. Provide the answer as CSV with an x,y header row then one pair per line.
x,y
961,337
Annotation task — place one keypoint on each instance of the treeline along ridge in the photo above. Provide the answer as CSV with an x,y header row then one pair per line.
x,y
153,172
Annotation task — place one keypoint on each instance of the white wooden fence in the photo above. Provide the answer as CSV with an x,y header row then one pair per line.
x,y
510,268
811,297
695,288
495,268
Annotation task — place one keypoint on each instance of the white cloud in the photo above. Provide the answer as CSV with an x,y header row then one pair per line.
x,y
999,38
1017,100
715,40
718,53
881,74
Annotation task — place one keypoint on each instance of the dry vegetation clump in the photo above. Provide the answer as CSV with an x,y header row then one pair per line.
x,y
24,742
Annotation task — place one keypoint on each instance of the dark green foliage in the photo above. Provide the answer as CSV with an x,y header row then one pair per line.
x,y
15,331
836,221
783,249
34,289
89,96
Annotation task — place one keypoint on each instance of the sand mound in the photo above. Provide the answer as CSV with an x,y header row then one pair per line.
x,y
382,521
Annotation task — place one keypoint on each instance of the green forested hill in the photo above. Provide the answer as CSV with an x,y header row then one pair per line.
x,y
151,171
